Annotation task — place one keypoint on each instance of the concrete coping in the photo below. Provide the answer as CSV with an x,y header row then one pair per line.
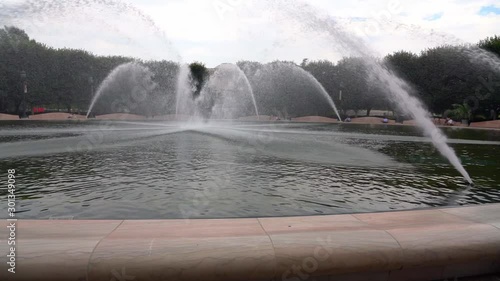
x,y
405,245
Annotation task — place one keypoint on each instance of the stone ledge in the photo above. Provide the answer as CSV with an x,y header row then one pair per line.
x,y
407,245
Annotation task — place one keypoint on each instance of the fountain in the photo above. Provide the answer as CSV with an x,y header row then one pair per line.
x,y
274,76
131,82
184,91
398,90
308,18
220,106
226,95
144,190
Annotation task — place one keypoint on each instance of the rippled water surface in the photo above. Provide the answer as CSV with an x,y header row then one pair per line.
x,y
152,170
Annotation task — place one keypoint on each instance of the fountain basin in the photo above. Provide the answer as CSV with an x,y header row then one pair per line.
x,y
157,170
424,245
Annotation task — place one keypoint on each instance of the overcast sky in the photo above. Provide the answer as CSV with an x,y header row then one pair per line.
x,y
218,31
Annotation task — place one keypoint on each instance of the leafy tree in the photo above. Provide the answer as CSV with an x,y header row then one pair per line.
x,y
460,112
358,91
491,44
66,79
200,73
441,79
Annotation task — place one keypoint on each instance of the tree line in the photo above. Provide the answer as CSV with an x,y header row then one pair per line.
x,y
66,79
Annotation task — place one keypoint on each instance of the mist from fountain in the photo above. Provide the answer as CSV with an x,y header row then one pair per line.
x,y
227,94
285,73
249,86
475,54
185,88
398,90
130,78
479,56
46,10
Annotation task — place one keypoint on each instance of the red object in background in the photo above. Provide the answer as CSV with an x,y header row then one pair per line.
x,y
38,110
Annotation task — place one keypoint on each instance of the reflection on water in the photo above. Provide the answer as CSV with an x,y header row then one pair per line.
x,y
167,170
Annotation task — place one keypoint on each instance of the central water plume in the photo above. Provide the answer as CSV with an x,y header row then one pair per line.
x,y
227,94
398,90
185,88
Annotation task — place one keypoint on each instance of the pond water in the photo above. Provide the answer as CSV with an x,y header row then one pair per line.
x,y
163,170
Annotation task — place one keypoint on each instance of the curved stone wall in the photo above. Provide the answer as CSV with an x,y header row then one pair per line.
x,y
409,245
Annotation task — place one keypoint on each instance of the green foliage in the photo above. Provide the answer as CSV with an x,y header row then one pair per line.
x,y
460,112
65,79
199,72
491,44
359,92
441,77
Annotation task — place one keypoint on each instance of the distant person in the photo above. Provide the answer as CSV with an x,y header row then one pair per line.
x,y
449,122
385,120
348,120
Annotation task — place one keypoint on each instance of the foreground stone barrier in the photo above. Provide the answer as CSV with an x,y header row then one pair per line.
x,y
408,245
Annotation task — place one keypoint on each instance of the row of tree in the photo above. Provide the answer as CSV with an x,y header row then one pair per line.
x,y
66,79
461,81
